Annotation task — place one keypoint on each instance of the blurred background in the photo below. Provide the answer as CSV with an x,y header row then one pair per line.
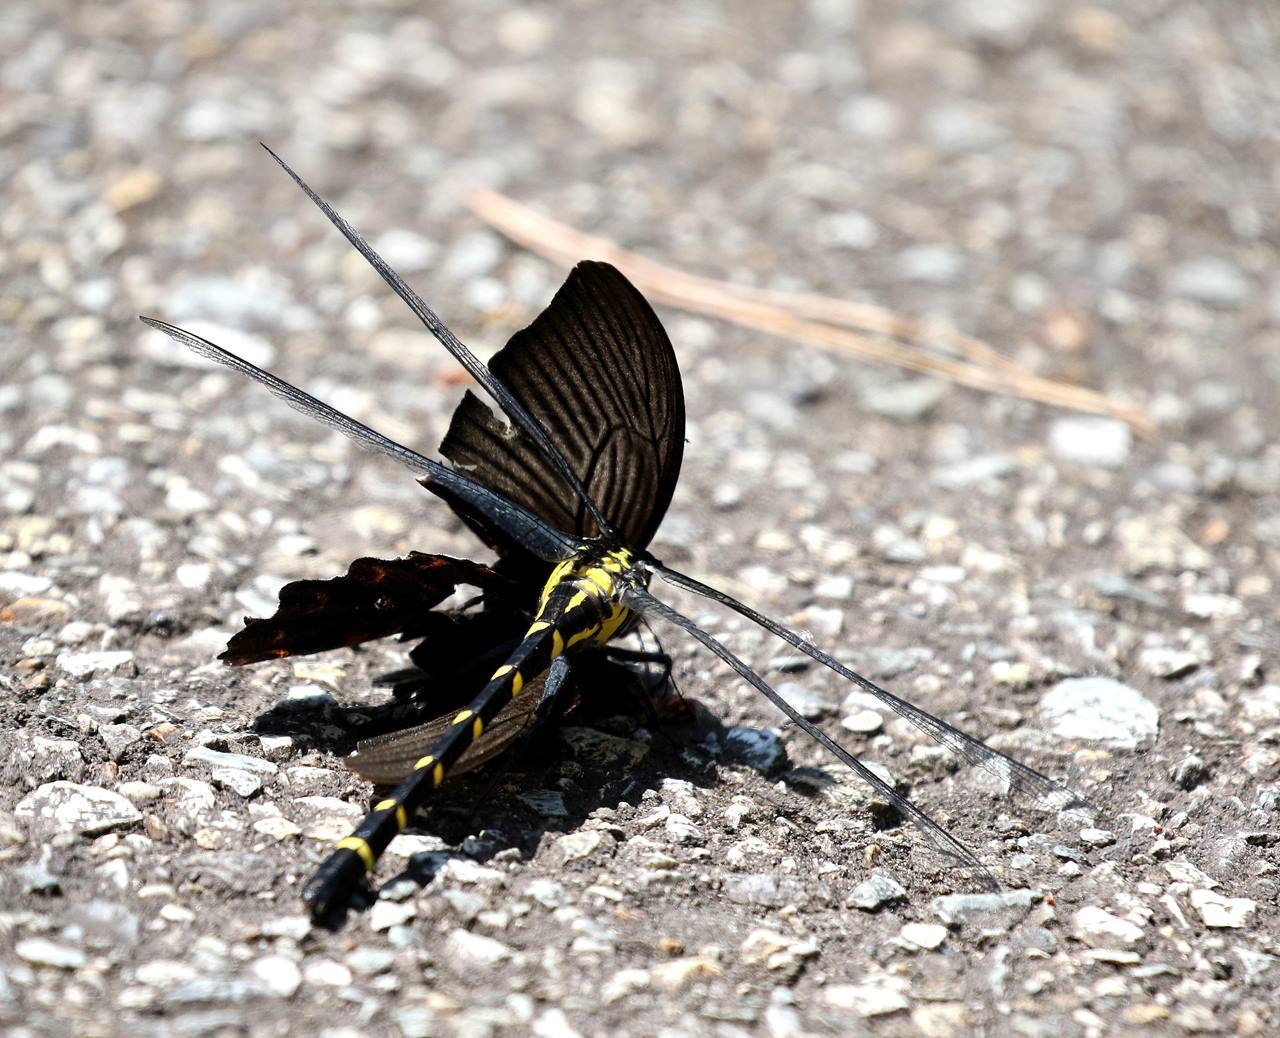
x,y
1090,187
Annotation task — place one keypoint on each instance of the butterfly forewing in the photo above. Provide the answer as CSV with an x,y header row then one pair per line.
x,y
597,370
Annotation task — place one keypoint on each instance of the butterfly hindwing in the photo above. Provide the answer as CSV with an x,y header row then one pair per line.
x,y
374,599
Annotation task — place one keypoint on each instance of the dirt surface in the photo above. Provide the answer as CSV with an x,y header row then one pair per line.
x,y
1091,188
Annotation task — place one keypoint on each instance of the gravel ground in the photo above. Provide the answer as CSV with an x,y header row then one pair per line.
x,y
1091,188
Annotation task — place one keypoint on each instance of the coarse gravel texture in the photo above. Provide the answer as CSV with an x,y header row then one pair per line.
x,y
1090,187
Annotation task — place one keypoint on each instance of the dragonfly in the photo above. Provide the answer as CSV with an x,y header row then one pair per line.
x,y
567,486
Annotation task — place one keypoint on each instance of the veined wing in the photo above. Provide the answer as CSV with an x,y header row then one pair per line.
x,y
597,371
387,759
510,405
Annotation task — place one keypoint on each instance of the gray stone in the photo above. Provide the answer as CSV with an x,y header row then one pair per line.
x,y
876,892
908,400
1190,772
466,949
242,783
83,664
69,807
1100,710
809,703
236,761
1210,279
987,913
759,748
119,737
279,975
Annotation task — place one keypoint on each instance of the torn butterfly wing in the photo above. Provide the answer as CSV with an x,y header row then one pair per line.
x,y
376,598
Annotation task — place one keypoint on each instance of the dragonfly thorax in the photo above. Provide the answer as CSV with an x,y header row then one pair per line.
x,y
582,600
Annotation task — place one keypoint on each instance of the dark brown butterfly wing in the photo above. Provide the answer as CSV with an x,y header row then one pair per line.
x,y
376,598
387,759
597,370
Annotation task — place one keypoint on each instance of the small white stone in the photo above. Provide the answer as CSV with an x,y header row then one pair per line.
x,y
1101,710
867,999
82,664
327,973
280,975
43,952
277,827
864,722
1099,928
1221,912
923,935
75,808
193,575
385,914
1084,440
579,845
472,949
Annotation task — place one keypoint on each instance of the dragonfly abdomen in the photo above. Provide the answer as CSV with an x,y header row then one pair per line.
x,y
580,607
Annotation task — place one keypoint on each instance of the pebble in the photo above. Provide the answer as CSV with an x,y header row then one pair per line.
x,y
385,914
758,748
1149,543
876,892
118,738
990,914
864,722
466,949
42,952
927,936
931,264
69,807
1209,279
84,664
982,468
583,844
776,951
229,761
35,877
809,703
1099,928
1219,912
278,974
1100,710
1103,442
1164,662
242,783
868,999
326,973
906,401
1190,772
369,962
834,585
545,803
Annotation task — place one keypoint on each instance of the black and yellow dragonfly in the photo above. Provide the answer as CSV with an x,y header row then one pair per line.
x,y
568,491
